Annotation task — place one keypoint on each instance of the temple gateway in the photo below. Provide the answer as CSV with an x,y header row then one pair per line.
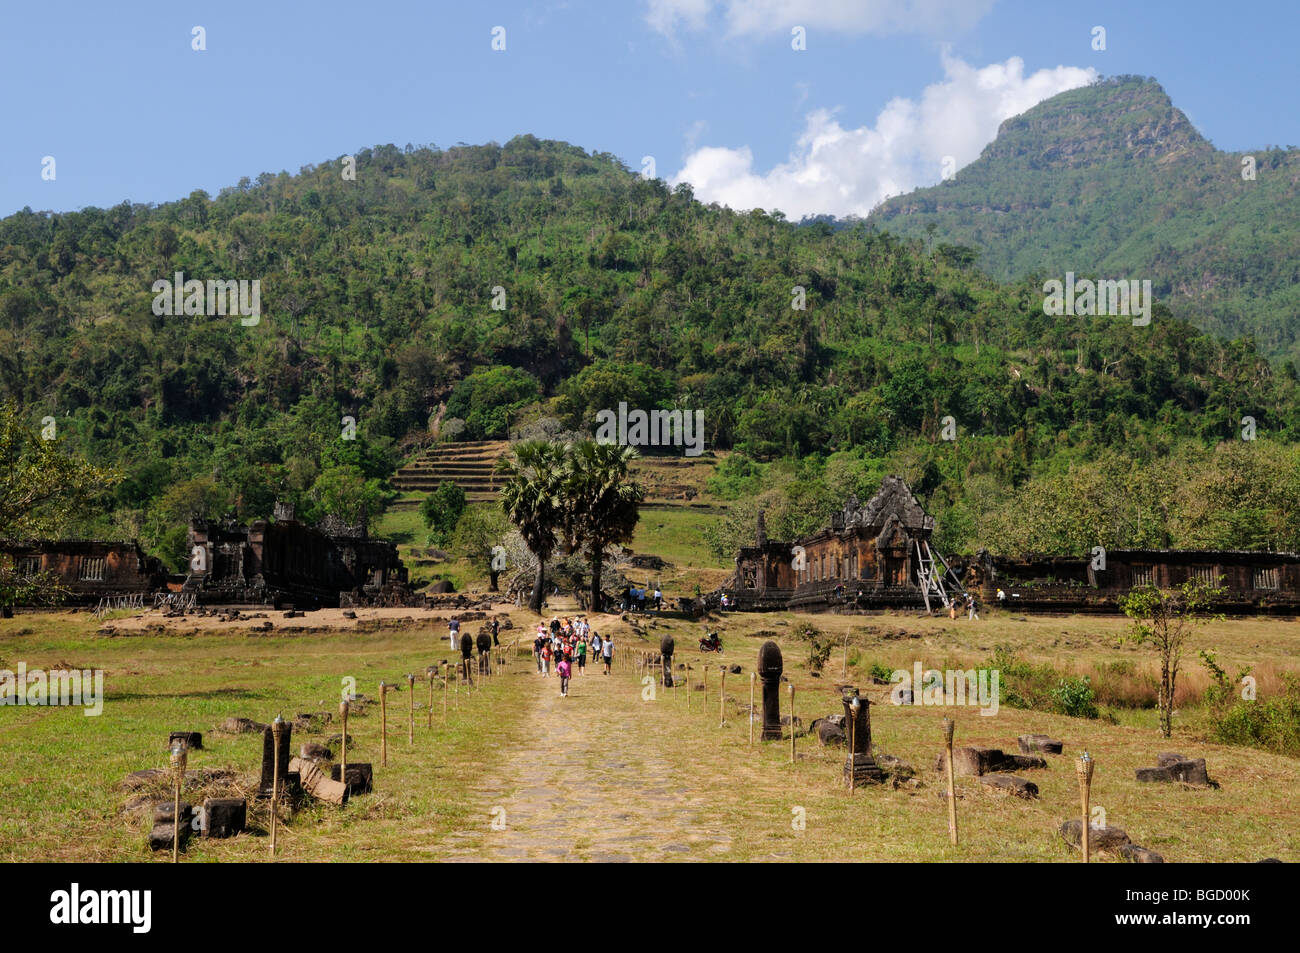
x,y
879,555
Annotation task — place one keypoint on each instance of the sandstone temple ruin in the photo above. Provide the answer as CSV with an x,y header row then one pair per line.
x,y
879,555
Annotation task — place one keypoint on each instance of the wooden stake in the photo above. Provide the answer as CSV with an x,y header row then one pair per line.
x,y
722,696
178,759
846,654
791,722
383,723
343,743
428,672
277,733
853,758
706,687
752,676
410,718
948,726
688,686
1083,767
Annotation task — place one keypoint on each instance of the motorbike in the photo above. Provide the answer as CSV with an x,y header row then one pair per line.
x,y
711,643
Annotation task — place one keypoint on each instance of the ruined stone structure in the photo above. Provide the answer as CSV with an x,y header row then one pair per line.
x,y
87,569
878,555
1254,582
871,555
287,562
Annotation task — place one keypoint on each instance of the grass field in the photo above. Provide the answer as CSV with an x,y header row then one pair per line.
x,y
650,779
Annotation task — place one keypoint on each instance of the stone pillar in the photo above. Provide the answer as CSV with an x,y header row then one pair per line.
x,y
484,643
269,767
770,666
666,648
859,763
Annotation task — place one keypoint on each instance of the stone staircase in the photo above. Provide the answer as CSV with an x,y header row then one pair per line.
x,y
470,465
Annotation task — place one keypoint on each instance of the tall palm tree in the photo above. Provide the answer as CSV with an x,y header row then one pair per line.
x,y
601,502
531,499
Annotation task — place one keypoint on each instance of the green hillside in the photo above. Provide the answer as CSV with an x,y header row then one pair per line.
x,y
1112,180
378,303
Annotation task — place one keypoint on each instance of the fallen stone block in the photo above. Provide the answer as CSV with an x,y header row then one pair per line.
x,y
360,779
240,726
1099,838
139,779
828,733
1139,855
974,762
311,751
895,767
1176,768
192,739
1047,745
1011,785
160,837
1021,762
314,782
223,816
334,741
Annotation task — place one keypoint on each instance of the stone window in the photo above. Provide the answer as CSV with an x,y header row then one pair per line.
x,y
92,569
27,565
1209,575
1266,578
1143,576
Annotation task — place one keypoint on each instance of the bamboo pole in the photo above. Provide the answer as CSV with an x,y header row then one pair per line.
x,y
705,666
383,723
948,726
792,759
446,684
277,735
752,676
410,718
178,759
1083,767
343,742
722,696
853,759
428,672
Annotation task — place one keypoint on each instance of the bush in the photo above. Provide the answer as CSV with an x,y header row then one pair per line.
x,y
1272,724
818,655
1074,696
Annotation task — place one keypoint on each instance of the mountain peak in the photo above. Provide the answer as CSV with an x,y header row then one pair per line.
x,y
1119,118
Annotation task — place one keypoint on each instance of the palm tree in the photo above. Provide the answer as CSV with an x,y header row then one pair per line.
x,y
531,500
601,502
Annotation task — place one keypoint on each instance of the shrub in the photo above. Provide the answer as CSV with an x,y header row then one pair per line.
x,y
1073,696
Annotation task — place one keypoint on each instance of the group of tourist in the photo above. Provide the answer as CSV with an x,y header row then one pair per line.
x,y
567,643
642,600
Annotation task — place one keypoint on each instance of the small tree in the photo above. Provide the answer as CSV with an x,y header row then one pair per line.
x,y
442,509
1163,619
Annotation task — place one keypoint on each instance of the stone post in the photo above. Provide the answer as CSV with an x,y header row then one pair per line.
x,y
666,648
859,765
770,667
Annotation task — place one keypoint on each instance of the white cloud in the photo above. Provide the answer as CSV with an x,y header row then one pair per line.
x,y
849,171
759,17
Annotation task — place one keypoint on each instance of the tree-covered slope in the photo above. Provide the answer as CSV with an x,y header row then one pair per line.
x,y
1112,180
490,286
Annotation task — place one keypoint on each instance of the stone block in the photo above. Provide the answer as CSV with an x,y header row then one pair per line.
x,y
223,816
1039,743
192,739
360,778
1011,785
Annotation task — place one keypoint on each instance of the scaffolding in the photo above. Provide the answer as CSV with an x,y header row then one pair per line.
x,y
932,579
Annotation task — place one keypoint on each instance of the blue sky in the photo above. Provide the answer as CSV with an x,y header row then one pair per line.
x,y
710,88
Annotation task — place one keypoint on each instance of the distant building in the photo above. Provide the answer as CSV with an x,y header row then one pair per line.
x,y
286,562
878,555
86,569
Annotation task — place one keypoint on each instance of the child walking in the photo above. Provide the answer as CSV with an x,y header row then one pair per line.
x,y
562,669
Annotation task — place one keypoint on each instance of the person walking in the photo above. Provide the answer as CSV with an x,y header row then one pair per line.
x,y
563,670
453,633
659,599
595,645
974,615
607,652
582,657
547,652
496,629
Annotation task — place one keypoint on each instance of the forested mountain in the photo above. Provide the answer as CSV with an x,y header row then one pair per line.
x,y
379,299
1111,180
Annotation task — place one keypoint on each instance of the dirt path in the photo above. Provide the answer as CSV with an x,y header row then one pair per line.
x,y
582,788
